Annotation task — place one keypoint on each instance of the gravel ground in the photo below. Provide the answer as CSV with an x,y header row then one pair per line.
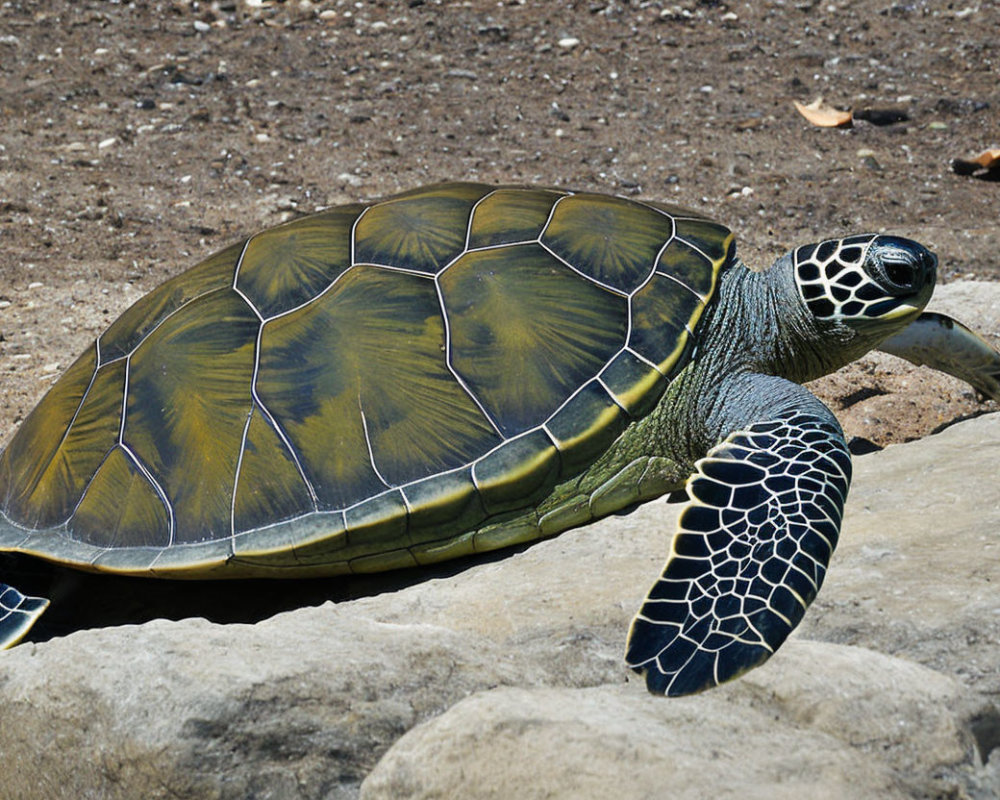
x,y
138,138
135,139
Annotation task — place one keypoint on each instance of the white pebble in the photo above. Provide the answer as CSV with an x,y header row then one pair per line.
x,y
568,42
106,143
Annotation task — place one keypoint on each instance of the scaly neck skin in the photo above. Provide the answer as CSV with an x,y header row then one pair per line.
x,y
758,326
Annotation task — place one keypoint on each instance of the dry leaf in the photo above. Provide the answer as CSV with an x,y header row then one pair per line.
x,y
988,160
822,115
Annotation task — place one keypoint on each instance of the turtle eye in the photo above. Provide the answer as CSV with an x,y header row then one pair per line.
x,y
900,273
899,266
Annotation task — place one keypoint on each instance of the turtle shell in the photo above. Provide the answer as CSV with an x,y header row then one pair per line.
x,y
361,388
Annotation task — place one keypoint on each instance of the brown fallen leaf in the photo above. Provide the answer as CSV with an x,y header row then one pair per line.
x,y
988,160
824,116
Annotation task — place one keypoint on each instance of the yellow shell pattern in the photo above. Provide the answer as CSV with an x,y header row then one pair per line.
x,y
355,389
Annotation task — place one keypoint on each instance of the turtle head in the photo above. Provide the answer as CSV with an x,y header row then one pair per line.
x,y
865,281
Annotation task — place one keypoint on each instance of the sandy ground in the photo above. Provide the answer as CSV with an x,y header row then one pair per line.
x,y
137,139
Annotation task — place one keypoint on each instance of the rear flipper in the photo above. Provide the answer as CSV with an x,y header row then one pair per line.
x,y
750,554
945,344
18,613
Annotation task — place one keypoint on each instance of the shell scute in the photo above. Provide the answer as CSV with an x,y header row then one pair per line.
x,y
526,331
609,239
443,503
49,492
689,267
586,426
420,231
270,487
286,266
516,473
38,441
635,385
331,372
711,238
377,525
661,311
509,216
121,508
187,405
126,332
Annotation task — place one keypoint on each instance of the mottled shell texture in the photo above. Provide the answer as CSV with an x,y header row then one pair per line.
x,y
368,382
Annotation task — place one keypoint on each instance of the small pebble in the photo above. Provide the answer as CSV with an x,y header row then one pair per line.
x,y
106,143
568,42
202,27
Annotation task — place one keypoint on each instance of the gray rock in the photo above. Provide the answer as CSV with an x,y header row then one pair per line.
x,y
307,703
829,722
917,570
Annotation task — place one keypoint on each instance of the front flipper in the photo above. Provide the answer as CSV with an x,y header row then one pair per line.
x,y
18,613
945,344
750,553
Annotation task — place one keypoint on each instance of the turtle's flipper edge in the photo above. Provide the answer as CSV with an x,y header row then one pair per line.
x,y
945,344
18,613
750,553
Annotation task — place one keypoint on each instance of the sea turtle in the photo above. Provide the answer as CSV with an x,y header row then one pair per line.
x,y
465,367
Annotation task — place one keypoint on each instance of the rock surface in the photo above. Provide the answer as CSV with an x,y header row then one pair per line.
x,y
507,680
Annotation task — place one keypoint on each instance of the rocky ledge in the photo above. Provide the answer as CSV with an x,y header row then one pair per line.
x,y
506,679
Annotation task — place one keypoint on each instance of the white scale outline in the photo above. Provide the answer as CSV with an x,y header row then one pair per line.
x,y
257,403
